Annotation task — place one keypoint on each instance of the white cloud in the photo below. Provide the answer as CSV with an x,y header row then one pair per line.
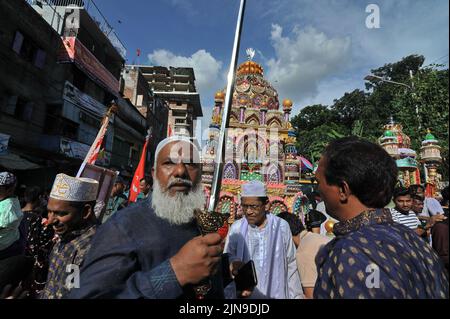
x,y
303,60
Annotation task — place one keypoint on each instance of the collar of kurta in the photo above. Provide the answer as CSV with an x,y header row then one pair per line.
x,y
366,218
77,233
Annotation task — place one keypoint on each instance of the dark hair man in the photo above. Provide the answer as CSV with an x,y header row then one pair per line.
x,y
371,256
431,205
402,212
71,214
145,187
117,201
153,249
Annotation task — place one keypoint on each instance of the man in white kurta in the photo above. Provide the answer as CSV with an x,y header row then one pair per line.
x,y
267,240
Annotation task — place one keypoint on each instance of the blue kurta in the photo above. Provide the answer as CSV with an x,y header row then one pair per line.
x,y
373,257
130,256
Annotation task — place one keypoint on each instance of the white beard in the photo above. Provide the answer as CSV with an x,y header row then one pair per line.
x,y
178,209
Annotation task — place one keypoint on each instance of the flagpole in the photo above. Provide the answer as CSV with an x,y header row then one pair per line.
x,y
101,133
217,177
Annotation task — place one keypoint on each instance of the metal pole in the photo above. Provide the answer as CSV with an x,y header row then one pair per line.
x,y
217,177
415,103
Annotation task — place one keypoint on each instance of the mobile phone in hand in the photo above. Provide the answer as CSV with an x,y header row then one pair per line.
x,y
246,278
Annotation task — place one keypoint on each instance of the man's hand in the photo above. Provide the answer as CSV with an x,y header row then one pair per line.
x,y
197,259
436,218
10,293
234,269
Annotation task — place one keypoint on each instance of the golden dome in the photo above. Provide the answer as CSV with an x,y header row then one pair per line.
x,y
287,104
220,95
250,67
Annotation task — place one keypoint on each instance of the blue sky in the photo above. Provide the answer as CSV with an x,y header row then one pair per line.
x,y
311,51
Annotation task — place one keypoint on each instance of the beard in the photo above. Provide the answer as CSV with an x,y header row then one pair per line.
x,y
178,209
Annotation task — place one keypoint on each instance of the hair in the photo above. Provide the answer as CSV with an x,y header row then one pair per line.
x,y
367,168
295,224
148,180
32,194
401,191
413,188
417,197
314,218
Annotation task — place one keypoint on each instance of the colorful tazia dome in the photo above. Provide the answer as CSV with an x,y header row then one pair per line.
x,y
251,90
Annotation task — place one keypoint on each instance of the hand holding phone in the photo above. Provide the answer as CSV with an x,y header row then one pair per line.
x,y
246,279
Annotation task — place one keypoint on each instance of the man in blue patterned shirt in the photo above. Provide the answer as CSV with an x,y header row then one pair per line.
x,y
371,256
71,214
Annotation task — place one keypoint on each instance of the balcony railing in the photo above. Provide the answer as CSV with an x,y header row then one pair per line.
x,y
93,11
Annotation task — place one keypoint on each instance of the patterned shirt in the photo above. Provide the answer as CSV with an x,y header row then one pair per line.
x,y
38,245
69,251
373,257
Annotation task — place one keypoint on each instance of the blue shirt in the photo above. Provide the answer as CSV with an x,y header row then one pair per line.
x,y
373,257
130,255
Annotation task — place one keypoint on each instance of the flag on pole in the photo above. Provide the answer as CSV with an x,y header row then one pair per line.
x,y
92,154
98,145
139,173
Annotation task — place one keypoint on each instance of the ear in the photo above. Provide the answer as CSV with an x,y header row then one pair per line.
x,y
344,192
153,173
88,211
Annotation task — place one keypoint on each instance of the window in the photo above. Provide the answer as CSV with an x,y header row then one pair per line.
x,y
57,125
28,50
24,109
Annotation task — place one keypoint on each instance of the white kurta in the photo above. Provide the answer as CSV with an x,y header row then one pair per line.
x,y
273,252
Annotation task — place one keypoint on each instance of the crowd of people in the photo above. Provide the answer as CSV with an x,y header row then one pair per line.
x,y
53,245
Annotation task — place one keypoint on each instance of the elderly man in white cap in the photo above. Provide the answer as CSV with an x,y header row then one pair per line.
x,y
267,240
71,214
152,249
10,217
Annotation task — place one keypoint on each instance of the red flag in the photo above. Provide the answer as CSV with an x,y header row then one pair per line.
x,y
138,175
138,52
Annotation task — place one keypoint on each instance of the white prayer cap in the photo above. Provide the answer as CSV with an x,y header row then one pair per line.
x,y
7,178
176,138
254,189
74,189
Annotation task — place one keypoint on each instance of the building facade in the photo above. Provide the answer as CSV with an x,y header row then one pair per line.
x,y
175,86
61,69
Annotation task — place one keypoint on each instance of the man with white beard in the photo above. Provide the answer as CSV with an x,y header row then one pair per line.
x,y
153,249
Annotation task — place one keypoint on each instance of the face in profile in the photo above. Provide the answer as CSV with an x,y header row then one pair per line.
x,y
64,217
328,193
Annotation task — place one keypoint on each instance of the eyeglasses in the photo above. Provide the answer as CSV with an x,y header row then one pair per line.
x,y
252,207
